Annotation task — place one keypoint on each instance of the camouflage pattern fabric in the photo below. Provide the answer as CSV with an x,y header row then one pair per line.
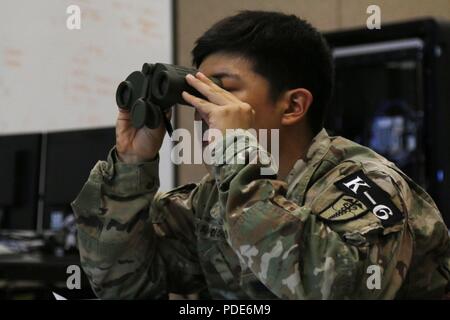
x,y
238,234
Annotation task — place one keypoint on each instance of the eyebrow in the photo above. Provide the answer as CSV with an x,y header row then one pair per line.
x,y
221,75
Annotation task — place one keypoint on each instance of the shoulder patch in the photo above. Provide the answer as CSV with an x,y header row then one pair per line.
x,y
378,201
343,209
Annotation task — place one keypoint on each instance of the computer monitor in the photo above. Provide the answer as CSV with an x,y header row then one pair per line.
x,y
70,156
392,94
19,180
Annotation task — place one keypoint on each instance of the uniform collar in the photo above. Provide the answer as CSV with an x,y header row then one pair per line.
x,y
316,151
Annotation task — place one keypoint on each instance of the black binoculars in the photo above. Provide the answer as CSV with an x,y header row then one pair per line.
x,y
148,93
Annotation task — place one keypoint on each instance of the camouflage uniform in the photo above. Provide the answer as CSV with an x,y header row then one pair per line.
x,y
242,235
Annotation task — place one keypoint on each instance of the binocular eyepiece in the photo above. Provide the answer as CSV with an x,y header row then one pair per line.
x,y
148,93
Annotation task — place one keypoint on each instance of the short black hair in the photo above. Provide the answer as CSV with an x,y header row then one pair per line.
x,y
286,50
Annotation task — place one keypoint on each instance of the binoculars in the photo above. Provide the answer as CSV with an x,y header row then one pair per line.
x,y
149,93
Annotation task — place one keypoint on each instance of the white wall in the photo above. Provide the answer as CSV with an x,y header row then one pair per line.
x,y
53,78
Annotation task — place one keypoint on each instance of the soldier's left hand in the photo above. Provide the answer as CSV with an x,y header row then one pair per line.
x,y
222,110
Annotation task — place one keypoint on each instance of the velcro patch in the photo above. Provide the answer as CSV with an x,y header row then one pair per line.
x,y
378,201
344,208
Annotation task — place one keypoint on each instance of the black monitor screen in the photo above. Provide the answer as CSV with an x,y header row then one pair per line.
x,y
19,180
70,157
7,175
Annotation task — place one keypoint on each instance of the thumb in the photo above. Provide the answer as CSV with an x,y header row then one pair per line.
x,y
123,114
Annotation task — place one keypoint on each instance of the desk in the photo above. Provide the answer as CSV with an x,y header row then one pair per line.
x,y
37,273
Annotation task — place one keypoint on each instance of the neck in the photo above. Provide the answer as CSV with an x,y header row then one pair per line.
x,y
292,149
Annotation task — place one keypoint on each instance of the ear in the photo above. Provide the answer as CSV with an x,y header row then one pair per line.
x,y
296,104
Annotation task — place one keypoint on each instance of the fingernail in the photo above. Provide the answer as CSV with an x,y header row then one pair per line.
x,y
189,76
200,74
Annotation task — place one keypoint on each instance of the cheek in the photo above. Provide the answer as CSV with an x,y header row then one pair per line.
x,y
242,95
265,111
266,118
254,100
266,115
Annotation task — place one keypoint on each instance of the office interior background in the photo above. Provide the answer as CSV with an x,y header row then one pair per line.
x,y
57,104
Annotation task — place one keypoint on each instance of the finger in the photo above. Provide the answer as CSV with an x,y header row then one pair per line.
x,y
203,106
124,114
123,110
215,94
199,75
215,87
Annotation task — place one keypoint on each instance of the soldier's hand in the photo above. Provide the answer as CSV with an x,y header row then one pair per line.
x,y
137,145
222,110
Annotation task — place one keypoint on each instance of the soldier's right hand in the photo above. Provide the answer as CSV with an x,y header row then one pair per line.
x,y
137,145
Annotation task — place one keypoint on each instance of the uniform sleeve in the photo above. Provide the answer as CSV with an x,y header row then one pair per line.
x,y
288,247
129,235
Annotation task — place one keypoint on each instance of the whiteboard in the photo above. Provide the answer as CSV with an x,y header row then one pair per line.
x,y
53,78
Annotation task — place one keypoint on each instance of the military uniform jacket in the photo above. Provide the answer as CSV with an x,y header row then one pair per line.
x,y
345,224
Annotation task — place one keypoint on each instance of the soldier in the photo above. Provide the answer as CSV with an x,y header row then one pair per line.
x,y
335,221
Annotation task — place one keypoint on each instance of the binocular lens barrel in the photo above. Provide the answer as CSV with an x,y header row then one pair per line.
x,y
123,94
160,87
169,81
130,90
150,92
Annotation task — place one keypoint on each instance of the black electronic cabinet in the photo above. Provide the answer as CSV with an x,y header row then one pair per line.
x,y
20,156
392,94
